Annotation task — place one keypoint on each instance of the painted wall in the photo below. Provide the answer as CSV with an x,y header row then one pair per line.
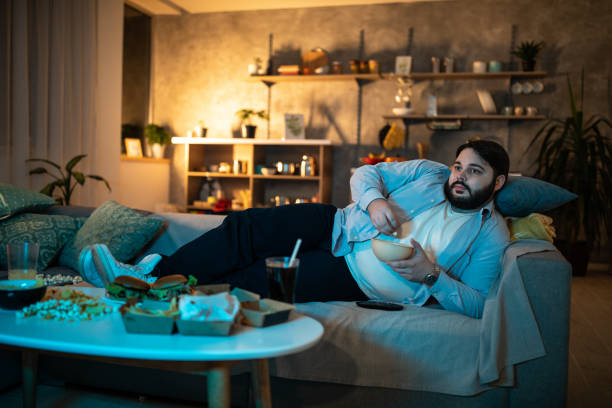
x,y
199,66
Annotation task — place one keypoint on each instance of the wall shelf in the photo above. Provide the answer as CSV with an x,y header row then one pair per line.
x,y
417,76
465,117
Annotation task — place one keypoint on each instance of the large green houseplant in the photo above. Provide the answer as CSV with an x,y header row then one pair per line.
x,y
66,180
576,154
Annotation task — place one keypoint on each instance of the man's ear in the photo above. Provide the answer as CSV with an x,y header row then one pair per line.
x,y
500,181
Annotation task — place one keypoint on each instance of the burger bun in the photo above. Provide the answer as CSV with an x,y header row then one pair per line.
x,y
169,281
131,282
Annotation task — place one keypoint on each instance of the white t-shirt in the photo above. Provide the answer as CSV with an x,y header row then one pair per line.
x,y
433,229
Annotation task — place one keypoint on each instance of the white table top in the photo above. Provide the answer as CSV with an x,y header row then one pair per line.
x,y
107,337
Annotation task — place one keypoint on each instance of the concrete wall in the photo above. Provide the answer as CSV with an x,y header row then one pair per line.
x,y
199,66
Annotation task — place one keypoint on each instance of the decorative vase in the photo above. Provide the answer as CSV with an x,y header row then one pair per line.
x,y
157,150
528,65
248,131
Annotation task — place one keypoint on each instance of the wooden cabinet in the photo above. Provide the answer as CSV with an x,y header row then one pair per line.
x,y
203,153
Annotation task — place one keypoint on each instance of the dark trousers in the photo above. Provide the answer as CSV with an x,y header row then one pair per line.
x,y
235,252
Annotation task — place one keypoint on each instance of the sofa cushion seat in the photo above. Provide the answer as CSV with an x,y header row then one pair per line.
x,y
417,348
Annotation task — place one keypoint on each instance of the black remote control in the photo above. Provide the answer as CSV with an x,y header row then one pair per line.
x,y
379,304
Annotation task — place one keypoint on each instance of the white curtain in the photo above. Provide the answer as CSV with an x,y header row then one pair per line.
x,y
50,91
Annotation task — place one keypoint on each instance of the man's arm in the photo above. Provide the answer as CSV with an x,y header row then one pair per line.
x,y
371,185
466,295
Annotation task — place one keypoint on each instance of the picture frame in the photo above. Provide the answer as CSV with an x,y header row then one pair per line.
x,y
294,126
133,147
403,65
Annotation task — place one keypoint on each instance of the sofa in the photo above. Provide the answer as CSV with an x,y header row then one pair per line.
x,y
370,358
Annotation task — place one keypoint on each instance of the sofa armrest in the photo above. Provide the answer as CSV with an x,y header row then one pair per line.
x,y
180,229
547,280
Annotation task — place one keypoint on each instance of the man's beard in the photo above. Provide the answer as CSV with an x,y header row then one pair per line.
x,y
473,200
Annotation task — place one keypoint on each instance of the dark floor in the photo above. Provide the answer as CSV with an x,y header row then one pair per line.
x,y
590,362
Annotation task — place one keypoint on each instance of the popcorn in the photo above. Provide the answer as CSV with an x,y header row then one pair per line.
x,y
67,304
56,280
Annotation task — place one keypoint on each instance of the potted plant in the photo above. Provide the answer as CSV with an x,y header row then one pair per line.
x,y
64,182
576,154
527,51
246,122
158,138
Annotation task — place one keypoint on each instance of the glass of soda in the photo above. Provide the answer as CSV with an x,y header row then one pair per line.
x,y
282,278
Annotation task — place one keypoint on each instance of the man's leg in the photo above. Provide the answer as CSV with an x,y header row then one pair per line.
x,y
321,277
246,237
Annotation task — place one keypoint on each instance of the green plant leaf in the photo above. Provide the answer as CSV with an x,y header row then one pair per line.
x,y
73,162
99,178
40,170
45,161
79,177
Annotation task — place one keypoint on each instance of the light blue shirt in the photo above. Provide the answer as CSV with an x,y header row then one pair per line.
x,y
469,265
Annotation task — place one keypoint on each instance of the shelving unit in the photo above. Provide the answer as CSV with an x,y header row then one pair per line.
x,y
201,152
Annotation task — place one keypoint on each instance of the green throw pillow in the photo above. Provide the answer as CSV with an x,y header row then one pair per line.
x,y
50,231
124,231
14,200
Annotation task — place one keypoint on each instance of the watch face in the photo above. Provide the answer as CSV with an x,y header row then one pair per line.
x,y
430,279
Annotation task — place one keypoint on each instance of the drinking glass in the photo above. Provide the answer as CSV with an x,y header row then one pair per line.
x,y
282,278
22,260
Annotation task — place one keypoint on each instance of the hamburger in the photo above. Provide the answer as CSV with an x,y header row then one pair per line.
x,y
168,287
165,288
128,287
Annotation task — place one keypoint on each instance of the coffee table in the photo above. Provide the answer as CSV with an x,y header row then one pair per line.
x,y
106,340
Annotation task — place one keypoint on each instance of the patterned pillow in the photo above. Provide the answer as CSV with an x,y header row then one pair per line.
x,y
122,229
50,231
14,200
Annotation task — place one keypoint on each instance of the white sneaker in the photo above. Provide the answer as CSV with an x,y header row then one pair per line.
x,y
99,267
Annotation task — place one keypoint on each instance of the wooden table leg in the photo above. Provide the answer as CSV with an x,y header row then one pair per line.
x,y
29,370
261,383
218,387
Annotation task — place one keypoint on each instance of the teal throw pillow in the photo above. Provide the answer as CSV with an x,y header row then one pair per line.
x,y
51,232
14,200
525,195
124,231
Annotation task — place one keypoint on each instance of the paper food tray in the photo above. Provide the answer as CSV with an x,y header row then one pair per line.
x,y
197,328
261,312
137,323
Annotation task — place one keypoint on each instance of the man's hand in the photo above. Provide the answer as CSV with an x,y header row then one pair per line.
x,y
382,216
416,268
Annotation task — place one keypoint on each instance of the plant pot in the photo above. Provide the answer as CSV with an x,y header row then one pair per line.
x,y
248,131
528,65
157,150
576,253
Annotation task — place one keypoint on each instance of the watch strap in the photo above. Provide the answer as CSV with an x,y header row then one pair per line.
x,y
432,277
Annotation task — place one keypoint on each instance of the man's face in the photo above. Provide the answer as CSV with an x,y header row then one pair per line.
x,y
472,183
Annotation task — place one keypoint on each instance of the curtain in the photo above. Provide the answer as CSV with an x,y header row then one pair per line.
x,y
49,90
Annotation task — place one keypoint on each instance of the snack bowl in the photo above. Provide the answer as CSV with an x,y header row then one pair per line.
x,y
390,250
17,294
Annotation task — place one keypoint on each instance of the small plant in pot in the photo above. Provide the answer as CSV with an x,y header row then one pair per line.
x,y
576,154
527,51
246,121
158,138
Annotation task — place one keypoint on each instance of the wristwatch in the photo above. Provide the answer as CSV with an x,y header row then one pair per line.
x,y
432,277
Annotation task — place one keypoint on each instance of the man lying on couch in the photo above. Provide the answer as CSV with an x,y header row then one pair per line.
x,y
448,215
